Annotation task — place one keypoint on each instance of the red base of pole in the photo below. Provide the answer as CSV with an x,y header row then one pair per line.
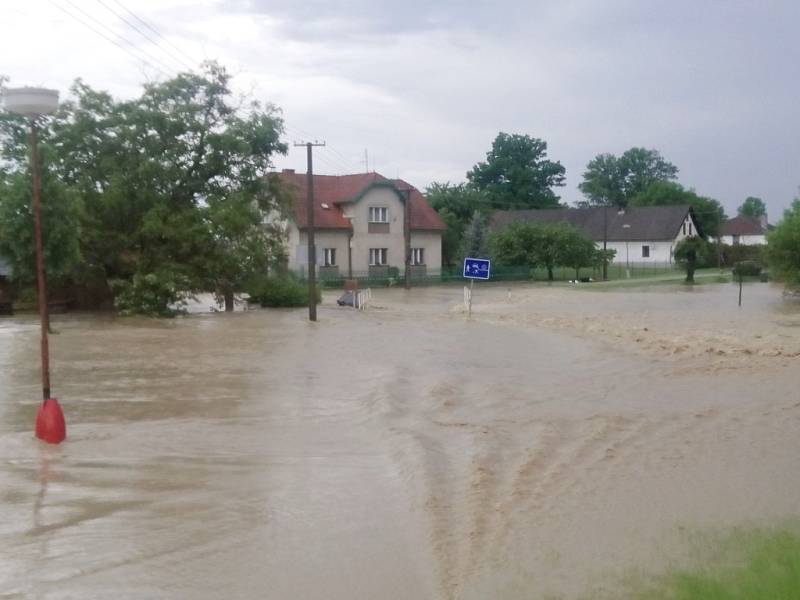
x,y
50,424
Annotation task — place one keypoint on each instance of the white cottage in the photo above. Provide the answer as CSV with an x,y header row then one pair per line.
x,y
747,231
359,226
640,235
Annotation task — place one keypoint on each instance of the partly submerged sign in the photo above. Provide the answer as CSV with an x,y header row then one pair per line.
x,y
477,268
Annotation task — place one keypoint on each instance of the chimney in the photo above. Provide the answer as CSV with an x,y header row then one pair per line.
x,y
288,171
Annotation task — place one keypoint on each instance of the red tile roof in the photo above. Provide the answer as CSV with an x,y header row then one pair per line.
x,y
743,225
333,190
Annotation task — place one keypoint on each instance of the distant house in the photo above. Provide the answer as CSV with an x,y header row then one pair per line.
x,y
640,234
747,231
359,223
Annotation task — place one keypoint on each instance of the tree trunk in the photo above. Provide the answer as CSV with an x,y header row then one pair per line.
x,y
690,267
549,273
228,295
577,274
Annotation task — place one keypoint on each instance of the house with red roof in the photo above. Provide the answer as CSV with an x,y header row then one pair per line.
x,y
359,225
744,230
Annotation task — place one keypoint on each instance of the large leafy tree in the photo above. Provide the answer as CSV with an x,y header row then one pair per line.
x,y
542,246
753,207
708,212
456,204
614,181
688,253
174,184
517,174
783,247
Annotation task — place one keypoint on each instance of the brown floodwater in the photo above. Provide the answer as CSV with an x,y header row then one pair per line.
x,y
543,448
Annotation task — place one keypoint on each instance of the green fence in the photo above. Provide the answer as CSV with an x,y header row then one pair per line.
x,y
501,273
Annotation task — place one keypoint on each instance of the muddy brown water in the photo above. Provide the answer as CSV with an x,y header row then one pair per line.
x,y
540,449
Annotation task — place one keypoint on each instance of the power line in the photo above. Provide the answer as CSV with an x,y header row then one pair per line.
x,y
153,29
146,36
105,37
165,70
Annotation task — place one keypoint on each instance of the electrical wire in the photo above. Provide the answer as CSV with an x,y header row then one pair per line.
x,y
146,36
108,39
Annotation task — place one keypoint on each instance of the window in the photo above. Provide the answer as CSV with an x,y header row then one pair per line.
x,y
329,257
684,228
645,251
418,256
690,228
377,257
378,214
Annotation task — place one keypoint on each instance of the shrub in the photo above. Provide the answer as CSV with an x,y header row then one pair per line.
x,y
747,268
159,294
284,291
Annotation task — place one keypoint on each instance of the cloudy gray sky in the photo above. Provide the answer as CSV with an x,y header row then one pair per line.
x,y
425,86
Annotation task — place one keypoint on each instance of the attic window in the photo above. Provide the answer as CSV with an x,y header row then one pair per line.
x,y
326,206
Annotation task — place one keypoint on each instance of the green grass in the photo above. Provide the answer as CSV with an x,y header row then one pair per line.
x,y
746,565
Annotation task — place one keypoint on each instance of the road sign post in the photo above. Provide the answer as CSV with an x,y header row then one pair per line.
x,y
475,268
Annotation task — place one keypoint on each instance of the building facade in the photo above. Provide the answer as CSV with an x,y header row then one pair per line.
x,y
745,231
639,235
360,226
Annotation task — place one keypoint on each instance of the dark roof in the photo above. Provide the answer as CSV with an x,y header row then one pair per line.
x,y
334,190
634,223
743,225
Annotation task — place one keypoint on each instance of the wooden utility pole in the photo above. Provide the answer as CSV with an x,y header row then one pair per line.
x,y
407,238
312,251
44,314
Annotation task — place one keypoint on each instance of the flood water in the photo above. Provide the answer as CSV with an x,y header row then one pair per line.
x,y
542,448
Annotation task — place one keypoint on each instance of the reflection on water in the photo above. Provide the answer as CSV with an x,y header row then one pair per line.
x,y
404,452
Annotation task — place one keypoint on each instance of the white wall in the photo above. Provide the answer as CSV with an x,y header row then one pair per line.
x,y
746,240
297,248
660,252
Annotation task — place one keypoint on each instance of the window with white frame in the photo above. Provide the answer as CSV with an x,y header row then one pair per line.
x,y
378,257
378,214
417,256
645,251
329,257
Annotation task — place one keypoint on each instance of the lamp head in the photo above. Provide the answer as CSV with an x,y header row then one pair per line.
x,y
30,102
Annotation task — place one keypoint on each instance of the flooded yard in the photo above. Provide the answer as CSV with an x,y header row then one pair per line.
x,y
539,449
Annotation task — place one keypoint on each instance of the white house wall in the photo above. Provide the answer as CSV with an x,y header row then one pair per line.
x,y
631,252
746,240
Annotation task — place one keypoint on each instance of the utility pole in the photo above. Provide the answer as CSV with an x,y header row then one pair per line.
x,y
605,241
312,251
407,238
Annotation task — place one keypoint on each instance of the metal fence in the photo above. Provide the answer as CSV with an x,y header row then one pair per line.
x,y
394,277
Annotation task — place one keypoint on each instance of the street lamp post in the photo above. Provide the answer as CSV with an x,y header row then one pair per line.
x,y
33,103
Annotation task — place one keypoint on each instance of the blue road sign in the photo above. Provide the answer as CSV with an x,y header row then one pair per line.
x,y
477,268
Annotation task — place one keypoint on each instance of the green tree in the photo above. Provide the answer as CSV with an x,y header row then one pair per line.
x,y
475,243
614,181
534,245
517,174
575,250
783,246
456,204
173,184
707,211
687,253
753,207
61,215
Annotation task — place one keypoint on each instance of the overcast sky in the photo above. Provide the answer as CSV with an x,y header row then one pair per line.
x,y
426,86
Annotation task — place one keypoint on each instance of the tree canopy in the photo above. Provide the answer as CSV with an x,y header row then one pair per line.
x,y
517,174
173,185
456,204
783,246
543,246
614,181
753,207
707,211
